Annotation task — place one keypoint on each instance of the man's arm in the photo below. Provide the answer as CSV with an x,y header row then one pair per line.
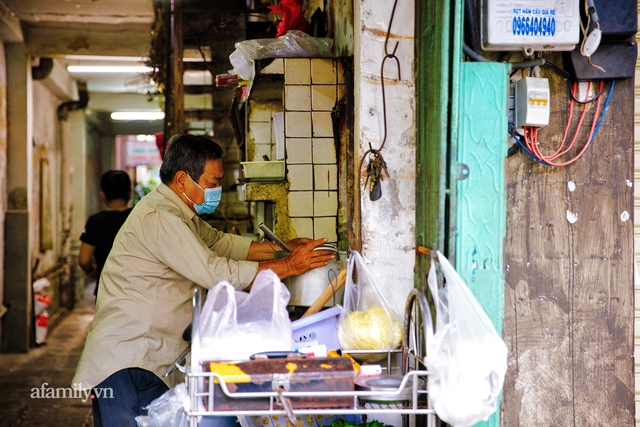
x,y
85,258
302,259
265,251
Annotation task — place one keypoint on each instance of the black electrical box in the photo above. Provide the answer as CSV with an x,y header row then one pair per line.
x,y
617,52
617,59
618,18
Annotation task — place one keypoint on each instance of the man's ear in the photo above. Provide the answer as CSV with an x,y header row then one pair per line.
x,y
179,180
103,197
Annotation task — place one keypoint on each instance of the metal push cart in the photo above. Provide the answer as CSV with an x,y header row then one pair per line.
x,y
409,399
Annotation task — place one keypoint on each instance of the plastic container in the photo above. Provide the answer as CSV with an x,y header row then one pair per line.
x,y
263,171
316,329
278,124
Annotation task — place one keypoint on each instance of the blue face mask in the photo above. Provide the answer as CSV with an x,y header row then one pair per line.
x,y
212,198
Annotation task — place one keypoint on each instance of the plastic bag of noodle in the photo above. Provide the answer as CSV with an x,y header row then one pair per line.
x,y
367,321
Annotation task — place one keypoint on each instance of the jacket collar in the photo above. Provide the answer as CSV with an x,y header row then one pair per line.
x,y
172,196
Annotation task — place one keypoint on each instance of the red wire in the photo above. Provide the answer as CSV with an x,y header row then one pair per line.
x,y
566,127
535,149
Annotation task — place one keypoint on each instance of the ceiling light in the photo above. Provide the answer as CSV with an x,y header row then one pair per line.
x,y
137,115
108,69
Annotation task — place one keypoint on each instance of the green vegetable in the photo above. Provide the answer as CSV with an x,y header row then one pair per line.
x,y
340,422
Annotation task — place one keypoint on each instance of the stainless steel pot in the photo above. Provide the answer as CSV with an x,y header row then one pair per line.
x,y
305,289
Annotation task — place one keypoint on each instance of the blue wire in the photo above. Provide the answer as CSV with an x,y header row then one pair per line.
x,y
595,132
529,152
604,112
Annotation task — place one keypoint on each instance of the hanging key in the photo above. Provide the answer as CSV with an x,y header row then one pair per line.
x,y
371,176
374,170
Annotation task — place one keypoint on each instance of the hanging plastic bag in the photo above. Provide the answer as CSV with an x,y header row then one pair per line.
x,y
167,410
466,357
367,321
234,324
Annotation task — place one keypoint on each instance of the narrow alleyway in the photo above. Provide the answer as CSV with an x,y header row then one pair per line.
x,y
47,367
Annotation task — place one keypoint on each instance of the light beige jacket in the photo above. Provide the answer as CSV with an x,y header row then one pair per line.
x,y
161,253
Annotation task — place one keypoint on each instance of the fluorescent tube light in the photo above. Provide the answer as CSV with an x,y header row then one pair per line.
x,y
137,115
109,69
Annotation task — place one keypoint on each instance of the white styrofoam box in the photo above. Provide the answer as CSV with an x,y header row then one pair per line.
x,y
322,124
300,177
302,226
323,97
325,227
323,71
324,151
317,329
325,203
325,177
299,151
533,103
297,97
300,203
297,71
297,124
519,25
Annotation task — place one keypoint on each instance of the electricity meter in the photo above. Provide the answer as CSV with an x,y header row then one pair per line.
x,y
530,25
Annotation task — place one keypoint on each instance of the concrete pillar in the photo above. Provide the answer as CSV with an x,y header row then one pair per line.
x,y
388,238
79,173
17,323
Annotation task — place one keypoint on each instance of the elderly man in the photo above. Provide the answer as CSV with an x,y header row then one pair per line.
x,y
162,252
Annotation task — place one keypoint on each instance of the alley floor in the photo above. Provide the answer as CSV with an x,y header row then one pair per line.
x,y
53,363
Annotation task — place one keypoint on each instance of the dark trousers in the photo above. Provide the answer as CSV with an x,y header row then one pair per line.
x,y
120,398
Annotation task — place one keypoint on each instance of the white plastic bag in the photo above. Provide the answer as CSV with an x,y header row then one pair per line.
x,y
291,45
167,410
466,357
234,324
367,321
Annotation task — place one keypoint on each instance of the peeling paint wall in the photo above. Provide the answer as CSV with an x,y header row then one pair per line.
x,y
44,243
45,131
387,224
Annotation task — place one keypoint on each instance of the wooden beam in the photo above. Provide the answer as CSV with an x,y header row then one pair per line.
x,y
10,29
105,42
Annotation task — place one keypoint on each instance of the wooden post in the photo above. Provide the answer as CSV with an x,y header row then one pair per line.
x,y
174,101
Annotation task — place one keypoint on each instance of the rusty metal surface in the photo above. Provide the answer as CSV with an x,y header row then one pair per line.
x,y
312,374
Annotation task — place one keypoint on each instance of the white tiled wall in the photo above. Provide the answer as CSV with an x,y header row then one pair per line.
x,y
260,129
312,88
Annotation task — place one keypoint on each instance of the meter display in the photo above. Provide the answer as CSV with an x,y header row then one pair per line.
x,y
530,25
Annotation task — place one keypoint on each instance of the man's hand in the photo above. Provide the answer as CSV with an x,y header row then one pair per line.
x,y
295,243
302,259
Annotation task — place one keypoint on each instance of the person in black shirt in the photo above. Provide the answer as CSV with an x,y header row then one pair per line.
x,y
101,228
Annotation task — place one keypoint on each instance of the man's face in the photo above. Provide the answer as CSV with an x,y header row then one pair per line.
x,y
210,178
